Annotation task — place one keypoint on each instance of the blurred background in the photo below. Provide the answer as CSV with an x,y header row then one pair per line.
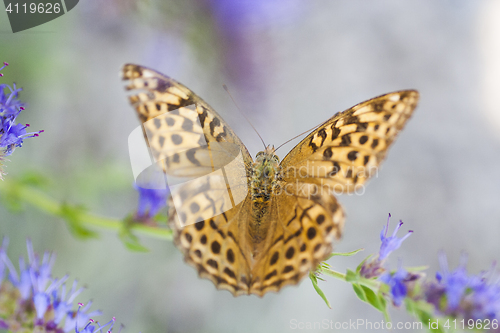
x,y
290,65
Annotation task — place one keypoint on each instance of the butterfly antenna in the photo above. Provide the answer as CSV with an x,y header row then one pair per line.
x,y
295,137
227,90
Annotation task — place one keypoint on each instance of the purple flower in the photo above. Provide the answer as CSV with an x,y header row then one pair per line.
x,y
397,284
33,298
12,135
454,282
484,299
374,267
92,325
458,294
10,105
390,243
151,201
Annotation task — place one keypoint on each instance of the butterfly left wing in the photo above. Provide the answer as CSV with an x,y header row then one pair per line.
x,y
191,140
155,96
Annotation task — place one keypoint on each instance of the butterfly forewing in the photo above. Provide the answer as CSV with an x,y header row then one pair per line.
x,y
347,149
307,220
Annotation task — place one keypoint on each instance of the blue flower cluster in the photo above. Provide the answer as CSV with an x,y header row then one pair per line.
x,y
458,294
32,301
454,294
12,135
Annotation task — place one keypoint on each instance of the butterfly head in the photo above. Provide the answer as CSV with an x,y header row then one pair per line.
x,y
266,163
267,156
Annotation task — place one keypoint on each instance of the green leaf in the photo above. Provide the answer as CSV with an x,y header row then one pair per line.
x,y
359,291
358,269
344,254
424,312
320,292
73,217
131,241
376,300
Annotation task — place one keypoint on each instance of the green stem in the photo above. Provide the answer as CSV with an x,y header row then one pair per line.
x,y
51,206
335,274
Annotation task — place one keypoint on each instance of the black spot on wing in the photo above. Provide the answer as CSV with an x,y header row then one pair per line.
x,y
157,122
229,272
274,258
322,134
161,140
270,275
202,116
176,139
187,125
346,141
190,156
162,85
213,263
290,252
213,124
313,145
215,247
361,127
335,131
352,155
230,256
328,153
170,122
311,233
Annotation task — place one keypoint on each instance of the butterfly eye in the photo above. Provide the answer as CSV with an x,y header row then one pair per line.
x,y
259,153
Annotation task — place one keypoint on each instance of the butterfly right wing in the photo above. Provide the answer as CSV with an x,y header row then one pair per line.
x,y
191,141
347,149
340,154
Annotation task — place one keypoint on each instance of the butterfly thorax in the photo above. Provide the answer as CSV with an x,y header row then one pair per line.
x,y
264,178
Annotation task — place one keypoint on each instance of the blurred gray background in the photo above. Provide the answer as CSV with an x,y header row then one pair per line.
x,y
291,65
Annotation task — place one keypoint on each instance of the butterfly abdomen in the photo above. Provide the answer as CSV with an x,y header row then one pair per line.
x,y
263,184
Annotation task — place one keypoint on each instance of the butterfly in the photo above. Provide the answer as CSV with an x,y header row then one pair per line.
x,y
255,226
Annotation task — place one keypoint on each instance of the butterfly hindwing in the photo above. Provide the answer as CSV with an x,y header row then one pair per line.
x,y
308,219
216,248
